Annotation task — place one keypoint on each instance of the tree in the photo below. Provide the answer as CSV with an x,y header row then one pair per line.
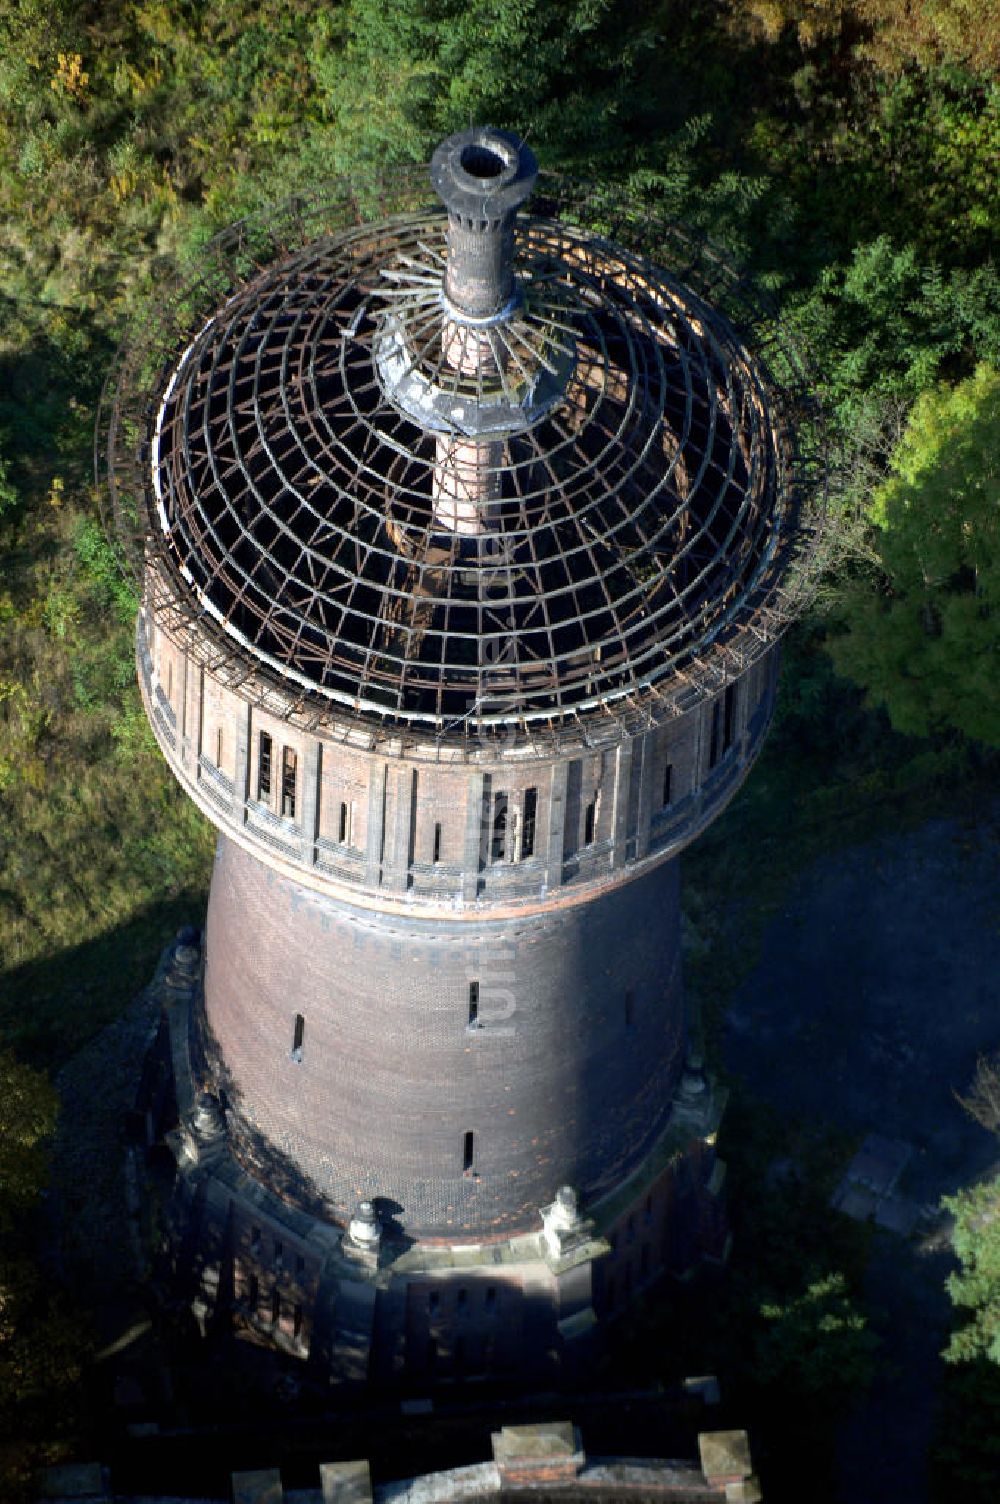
x,y
983,1100
400,74
924,641
975,1286
816,1342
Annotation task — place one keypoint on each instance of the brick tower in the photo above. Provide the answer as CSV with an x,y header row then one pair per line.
x,y
466,538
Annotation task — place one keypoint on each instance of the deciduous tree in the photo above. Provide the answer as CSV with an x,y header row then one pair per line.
x,y
925,640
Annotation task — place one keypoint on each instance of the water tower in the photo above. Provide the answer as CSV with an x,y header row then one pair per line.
x,y
466,535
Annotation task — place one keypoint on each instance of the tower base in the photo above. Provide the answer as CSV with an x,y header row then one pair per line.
x,y
366,1303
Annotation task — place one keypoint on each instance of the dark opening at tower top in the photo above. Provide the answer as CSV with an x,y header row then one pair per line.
x,y
482,162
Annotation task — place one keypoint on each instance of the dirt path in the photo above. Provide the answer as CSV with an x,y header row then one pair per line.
x,y
876,989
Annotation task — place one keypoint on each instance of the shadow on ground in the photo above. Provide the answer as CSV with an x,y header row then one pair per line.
x,y
51,1007
877,988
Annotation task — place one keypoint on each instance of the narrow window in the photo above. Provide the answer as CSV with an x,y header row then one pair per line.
x,y
218,748
253,1294
467,1148
275,1307
289,767
589,819
498,846
528,826
255,1240
264,767
297,1321
729,717
170,681
437,843
298,1035
667,780
342,829
715,740
629,1008
473,1014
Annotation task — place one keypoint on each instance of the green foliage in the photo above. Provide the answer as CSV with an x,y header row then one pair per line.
x,y
817,1342
28,1106
399,74
98,559
975,1287
927,644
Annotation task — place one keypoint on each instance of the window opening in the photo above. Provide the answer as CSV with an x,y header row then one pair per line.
x,y
729,717
715,740
170,681
473,1010
528,825
264,766
467,1149
297,1321
498,844
253,1293
342,832
289,769
218,748
668,774
437,843
589,820
298,1035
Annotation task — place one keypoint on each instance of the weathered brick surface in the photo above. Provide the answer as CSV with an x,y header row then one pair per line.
x,y
563,1080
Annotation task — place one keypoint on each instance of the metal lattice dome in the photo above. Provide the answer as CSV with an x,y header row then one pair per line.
x,y
438,512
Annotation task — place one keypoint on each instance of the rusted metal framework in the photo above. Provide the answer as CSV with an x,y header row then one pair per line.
x,y
587,502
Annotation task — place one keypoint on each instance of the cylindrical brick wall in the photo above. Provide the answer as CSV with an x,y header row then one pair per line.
x,y
361,1050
